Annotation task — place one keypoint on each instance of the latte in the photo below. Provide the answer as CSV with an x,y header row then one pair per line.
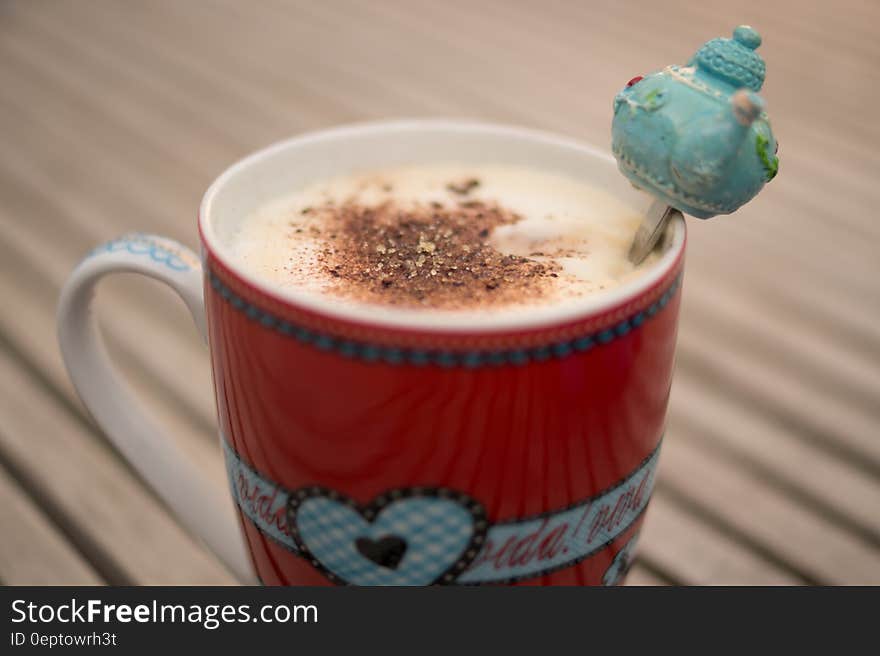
x,y
443,238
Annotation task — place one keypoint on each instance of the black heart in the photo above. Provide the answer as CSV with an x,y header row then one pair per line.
x,y
387,551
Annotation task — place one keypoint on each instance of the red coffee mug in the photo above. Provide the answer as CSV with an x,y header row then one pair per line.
x,y
372,446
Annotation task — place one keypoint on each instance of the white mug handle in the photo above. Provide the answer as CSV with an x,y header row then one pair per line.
x,y
151,452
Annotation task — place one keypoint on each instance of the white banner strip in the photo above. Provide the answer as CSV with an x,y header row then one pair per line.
x,y
513,550
558,539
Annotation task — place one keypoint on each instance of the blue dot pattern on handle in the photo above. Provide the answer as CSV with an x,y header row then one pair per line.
x,y
140,244
420,357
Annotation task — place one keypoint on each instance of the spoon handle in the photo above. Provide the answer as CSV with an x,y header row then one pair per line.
x,y
649,231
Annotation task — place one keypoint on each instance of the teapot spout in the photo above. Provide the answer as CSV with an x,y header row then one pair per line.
x,y
747,106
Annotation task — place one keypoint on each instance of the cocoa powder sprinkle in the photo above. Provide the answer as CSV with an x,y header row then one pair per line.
x,y
464,187
426,255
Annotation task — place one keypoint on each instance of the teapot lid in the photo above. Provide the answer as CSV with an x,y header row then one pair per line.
x,y
734,60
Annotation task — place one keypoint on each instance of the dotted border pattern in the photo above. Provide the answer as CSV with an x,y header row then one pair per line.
x,y
714,56
686,74
444,358
143,244
670,189
371,510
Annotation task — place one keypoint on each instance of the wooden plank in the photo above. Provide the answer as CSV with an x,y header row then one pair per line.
x,y
758,515
830,364
830,320
134,45
163,167
732,246
814,416
834,321
33,551
641,576
151,325
777,455
56,246
693,553
59,65
124,531
31,329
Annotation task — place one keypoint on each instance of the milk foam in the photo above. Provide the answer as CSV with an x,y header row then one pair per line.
x,y
584,229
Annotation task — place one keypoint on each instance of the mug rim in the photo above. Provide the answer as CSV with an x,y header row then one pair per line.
x,y
441,321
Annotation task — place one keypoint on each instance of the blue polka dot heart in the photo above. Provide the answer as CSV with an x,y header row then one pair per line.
x,y
406,536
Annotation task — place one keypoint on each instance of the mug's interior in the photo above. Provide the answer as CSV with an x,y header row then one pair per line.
x,y
291,165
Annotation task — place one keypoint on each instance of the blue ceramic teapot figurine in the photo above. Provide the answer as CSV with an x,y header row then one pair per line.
x,y
696,137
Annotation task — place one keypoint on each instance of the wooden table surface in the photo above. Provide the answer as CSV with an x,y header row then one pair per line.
x,y
115,116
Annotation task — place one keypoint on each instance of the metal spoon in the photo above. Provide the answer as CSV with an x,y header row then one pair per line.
x,y
650,230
